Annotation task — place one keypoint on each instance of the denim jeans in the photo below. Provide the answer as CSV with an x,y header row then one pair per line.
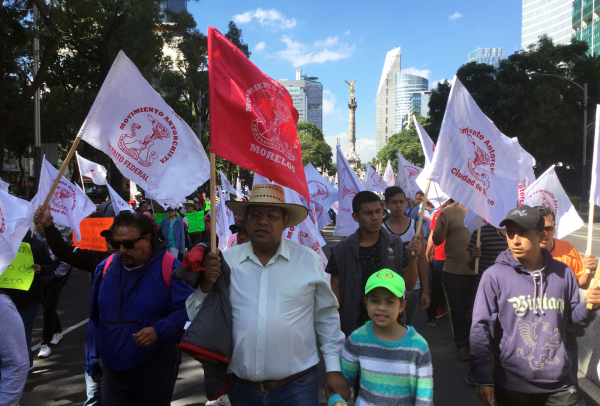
x,y
93,392
29,313
302,391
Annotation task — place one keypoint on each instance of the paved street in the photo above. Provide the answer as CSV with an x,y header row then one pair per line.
x,y
59,380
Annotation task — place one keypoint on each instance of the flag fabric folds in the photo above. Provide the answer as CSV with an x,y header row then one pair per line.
x,y
548,192
426,143
224,219
252,117
226,185
407,176
474,162
92,170
388,176
15,220
68,205
348,187
594,187
238,190
373,181
322,196
4,186
146,140
118,203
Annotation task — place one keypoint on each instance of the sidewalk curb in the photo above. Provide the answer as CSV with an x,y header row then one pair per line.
x,y
589,391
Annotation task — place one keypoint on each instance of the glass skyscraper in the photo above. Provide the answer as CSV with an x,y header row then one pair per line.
x,y
175,6
586,24
551,17
307,95
408,87
491,56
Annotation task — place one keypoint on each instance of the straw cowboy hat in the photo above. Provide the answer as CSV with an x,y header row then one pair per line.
x,y
269,195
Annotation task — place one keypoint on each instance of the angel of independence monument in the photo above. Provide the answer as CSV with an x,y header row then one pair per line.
x,y
352,157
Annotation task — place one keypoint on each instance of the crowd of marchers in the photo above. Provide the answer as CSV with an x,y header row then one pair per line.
x,y
262,314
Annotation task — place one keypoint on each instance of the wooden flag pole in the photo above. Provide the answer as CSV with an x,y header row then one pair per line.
x,y
588,250
594,283
478,242
213,214
420,223
61,172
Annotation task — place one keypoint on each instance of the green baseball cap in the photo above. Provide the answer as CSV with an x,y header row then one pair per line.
x,y
386,278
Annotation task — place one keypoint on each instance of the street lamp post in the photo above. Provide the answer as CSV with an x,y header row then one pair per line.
x,y
585,126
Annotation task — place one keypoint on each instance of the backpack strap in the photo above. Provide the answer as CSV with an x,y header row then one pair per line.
x,y
107,264
167,268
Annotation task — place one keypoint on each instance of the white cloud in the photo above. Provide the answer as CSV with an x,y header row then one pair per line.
x,y
365,147
424,73
347,32
260,46
434,84
268,18
455,16
329,100
322,51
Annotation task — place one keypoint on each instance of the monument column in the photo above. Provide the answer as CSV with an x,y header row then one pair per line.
x,y
352,156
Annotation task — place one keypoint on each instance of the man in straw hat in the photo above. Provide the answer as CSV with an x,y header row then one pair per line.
x,y
281,303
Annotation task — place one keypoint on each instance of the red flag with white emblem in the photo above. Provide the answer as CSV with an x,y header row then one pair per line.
x,y
252,117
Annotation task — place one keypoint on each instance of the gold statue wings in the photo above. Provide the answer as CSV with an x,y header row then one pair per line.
x,y
351,86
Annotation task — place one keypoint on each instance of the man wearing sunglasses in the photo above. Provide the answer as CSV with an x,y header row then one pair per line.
x,y
138,314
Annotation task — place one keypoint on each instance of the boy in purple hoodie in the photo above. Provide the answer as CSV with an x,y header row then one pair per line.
x,y
523,304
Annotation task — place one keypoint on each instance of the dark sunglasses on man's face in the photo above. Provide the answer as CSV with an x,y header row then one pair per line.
x,y
127,244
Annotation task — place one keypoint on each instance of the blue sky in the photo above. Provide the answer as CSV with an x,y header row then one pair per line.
x,y
337,40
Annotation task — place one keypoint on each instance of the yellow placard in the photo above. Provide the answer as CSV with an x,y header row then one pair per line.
x,y
19,274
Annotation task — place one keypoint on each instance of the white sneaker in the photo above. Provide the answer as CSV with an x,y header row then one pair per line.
x,y
45,351
56,338
222,401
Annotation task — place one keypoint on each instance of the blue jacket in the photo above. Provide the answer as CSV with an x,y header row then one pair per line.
x,y
140,296
178,231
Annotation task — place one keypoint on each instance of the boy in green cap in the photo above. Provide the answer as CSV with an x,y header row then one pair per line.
x,y
392,360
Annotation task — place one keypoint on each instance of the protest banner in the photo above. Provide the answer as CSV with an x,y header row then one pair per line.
x,y
19,273
195,220
90,233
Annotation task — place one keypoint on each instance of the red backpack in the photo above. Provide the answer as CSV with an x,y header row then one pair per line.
x,y
167,267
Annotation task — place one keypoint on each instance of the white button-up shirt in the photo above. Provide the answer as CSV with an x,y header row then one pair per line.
x,y
279,311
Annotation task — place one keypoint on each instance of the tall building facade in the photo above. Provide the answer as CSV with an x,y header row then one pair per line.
x,y
586,24
551,17
175,6
491,56
386,99
419,103
307,95
408,87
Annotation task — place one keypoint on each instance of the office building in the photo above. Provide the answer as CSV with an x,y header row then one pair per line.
x,y
307,95
419,103
491,56
386,99
408,87
551,17
175,6
586,24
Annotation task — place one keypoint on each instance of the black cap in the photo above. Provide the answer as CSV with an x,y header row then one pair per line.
x,y
239,226
525,216
170,209
108,233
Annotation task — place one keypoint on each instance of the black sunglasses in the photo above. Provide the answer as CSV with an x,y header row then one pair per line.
x,y
127,244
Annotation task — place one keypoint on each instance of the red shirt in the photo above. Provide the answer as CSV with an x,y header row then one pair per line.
x,y
439,252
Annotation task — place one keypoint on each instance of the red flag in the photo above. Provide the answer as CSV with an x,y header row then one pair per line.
x,y
252,118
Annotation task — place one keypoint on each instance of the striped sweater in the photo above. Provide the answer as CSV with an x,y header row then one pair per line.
x,y
391,373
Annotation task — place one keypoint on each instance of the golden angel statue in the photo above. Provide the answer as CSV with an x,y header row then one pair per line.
x,y
351,86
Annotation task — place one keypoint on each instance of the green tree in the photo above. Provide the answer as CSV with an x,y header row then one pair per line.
x,y
314,148
235,36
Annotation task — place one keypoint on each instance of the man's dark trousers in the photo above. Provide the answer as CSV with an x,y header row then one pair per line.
x,y
436,292
151,383
52,325
460,292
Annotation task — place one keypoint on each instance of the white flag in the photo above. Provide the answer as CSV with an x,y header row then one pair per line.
x,y
524,197
594,188
238,190
4,186
224,220
407,176
147,141
474,162
15,220
426,143
117,201
548,192
322,194
92,170
226,185
348,187
260,180
335,206
388,176
68,205
373,181
132,190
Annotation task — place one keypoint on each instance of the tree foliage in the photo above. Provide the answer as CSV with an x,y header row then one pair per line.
x,y
314,148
